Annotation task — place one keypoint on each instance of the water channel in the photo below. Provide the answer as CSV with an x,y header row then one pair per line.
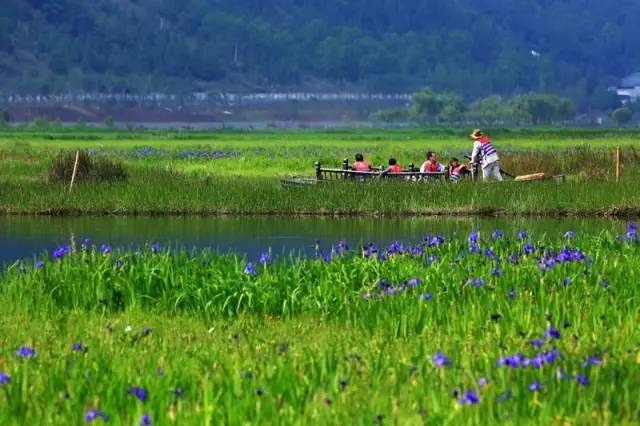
x,y
28,237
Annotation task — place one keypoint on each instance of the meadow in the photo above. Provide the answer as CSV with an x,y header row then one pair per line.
x,y
234,172
485,328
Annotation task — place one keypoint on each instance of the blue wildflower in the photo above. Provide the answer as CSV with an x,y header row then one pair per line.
x,y
489,253
440,360
497,234
79,347
535,386
431,259
478,282
60,252
469,398
566,281
474,248
414,282
514,259
594,360
249,269
552,332
528,248
39,264
156,248
4,378
426,296
95,414
604,283
26,352
582,379
512,294
482,381
265,258
139,393
145,420
569,235
537,343
497,272
474,236
436,241
105,248
522,235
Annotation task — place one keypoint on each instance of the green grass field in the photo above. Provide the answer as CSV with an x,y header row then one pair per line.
x,y
487,329
239,172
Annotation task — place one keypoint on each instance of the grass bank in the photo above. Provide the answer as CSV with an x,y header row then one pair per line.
x,y
160,194
480,330
238,173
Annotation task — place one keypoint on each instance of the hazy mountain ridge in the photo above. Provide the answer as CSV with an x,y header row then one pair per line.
x,y
473,47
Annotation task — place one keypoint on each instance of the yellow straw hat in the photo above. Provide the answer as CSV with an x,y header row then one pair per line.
x,y
477,134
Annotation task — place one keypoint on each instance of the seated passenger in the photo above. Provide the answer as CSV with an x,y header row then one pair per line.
x,y
360,165
431,165
393,167
457,170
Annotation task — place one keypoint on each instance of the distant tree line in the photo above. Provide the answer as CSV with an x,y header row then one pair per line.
x,y
572,48
429,107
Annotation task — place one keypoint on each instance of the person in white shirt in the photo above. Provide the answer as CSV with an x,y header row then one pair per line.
x,y
486,155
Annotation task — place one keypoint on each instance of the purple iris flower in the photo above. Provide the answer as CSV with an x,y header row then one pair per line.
x,y
522,235
436,241
26,352
537,343
497,234
4,378
341,246
426,296
264,258
105,248
478,282
497,272
552,332
592,360
249,269
489,253
535,386
474,236
514,259
414,282
482,381
632,232
528,248
440,360
79,347
39,264
569,235
95,414
474,248
469,398
156,248
145,420
582,379
431,259
61,252
512,294
139,393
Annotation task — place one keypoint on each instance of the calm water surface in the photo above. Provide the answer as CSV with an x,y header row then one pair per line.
x,y
29,237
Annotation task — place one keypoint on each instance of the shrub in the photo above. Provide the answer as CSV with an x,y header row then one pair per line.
x,y
89,168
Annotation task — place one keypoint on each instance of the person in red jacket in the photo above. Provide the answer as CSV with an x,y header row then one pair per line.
x,y
360,165
393,167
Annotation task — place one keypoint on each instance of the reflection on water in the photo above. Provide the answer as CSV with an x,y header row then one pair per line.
x,y
26,237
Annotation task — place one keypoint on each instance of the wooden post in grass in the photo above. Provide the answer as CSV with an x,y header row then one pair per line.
x,y
75,170
618,163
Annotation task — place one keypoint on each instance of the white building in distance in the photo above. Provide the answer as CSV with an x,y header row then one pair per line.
x,y
629,89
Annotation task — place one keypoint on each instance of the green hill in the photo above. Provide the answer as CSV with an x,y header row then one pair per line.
x,y
473,47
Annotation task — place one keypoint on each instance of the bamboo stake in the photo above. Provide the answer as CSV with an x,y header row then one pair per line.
x,y
75,170
618,163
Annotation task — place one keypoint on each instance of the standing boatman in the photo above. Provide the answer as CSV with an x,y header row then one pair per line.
x,y
485,154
